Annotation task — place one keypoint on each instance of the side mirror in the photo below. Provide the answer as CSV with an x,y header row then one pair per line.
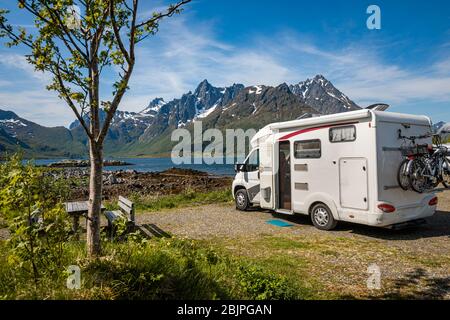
x,y
240,167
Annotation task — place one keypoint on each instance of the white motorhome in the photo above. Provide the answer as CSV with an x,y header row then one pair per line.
x,y
340,167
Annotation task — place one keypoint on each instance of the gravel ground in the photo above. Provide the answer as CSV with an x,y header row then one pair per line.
x,y
414,262
208,221
223,220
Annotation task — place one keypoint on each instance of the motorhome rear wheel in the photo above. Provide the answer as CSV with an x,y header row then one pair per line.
x,y
322,218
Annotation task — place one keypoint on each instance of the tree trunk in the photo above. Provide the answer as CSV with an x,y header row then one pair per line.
x,y
95,199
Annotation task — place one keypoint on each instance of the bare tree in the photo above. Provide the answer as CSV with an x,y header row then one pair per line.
x,y
76,40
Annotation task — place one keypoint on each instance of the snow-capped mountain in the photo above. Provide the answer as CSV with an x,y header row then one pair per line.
x,y
256,106
190,107
125,127
153,107
33,139
235,106
320,94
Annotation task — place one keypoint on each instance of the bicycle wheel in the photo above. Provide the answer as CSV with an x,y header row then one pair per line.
x,y
419,183
403,176
446,174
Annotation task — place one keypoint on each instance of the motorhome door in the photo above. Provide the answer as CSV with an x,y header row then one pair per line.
x,y
267,175
353,185
284,176
251,177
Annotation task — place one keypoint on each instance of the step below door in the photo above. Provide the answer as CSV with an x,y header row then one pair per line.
x,y
353,183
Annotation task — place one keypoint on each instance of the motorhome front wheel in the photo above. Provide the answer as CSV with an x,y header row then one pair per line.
x,y
241,197
322,218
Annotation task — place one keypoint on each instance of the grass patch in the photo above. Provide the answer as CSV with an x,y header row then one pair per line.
x,y
187,198
281,256
284,243
327,267
156,269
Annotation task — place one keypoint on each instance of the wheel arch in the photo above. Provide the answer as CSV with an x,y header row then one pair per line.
x,y
322,198
238,187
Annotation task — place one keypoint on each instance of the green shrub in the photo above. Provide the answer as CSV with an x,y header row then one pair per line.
x,y
37,223
148,269
261,285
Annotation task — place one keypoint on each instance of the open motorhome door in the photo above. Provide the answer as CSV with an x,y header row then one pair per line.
x,y
267,175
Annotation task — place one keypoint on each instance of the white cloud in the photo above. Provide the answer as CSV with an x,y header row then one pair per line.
x,y
5,83
40,106
18,61
184,54
442,67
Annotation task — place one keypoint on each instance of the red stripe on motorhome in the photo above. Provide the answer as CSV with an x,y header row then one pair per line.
x,y
296,133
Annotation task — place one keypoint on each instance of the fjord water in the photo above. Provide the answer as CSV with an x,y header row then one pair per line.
x,y
158,164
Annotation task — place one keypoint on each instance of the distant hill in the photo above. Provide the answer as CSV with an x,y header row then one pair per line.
x,y
36,140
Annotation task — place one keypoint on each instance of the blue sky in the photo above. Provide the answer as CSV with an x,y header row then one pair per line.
x,y
405,64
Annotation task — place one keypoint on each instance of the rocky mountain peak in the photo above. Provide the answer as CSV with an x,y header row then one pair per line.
x,y
154,106
283,87
10,121
231,92
206,95
5,115
320,94
203,86
320,78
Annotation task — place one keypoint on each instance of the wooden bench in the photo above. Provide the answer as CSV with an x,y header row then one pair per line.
x,y
126,212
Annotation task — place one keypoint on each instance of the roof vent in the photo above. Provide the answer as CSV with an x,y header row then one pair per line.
x,y
307,115
378,107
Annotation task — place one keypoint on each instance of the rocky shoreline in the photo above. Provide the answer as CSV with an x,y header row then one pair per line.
x,y
131,182
85,163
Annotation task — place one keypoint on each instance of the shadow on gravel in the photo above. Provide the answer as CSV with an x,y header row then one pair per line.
x,y
418,284
436,226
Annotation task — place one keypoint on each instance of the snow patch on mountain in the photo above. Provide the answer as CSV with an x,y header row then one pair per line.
x,y
207,112
255,90
13,122
154,106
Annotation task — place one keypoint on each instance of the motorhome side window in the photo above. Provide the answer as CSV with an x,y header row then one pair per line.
x,y
253,160
308,149
343,134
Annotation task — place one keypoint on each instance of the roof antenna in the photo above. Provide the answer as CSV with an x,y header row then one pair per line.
x,y
378,107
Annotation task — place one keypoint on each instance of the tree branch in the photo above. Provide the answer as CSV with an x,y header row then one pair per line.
x,y
172,10
115,103
133,29
117,33
69,101
56,20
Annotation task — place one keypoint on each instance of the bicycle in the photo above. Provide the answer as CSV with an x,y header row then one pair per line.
x,y
410,154
427,172
424,167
